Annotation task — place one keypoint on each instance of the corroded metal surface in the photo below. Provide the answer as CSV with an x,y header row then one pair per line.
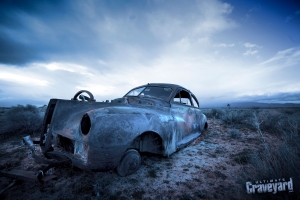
x,y
95,135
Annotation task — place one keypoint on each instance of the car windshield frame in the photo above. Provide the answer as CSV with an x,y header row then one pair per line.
x,y
142,90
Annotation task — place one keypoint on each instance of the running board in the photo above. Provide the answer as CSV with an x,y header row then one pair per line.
x,y
187,140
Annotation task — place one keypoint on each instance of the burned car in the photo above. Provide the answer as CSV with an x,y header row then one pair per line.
x,y
155,118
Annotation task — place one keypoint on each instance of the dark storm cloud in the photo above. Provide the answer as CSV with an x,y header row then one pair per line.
x,y
57,34
85,32
37,30
14,52
71,30
10,8
18,43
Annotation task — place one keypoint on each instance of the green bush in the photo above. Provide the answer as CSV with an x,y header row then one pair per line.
x,y
22,120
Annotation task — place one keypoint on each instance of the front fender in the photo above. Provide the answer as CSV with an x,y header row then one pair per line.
x,y
121,129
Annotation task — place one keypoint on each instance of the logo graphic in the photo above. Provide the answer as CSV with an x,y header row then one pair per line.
x,y
273,185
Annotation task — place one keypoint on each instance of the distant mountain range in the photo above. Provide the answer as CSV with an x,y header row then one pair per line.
x,y
249,105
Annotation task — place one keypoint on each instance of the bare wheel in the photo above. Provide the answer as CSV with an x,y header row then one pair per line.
x,y
129,163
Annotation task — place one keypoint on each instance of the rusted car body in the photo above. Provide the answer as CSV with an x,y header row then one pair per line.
x,y
155,118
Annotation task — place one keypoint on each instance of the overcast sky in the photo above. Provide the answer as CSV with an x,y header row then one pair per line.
x,y
223,51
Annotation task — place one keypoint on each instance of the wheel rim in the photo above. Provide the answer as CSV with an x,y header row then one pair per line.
x,y
130,163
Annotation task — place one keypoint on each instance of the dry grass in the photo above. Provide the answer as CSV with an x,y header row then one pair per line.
x,y
274,161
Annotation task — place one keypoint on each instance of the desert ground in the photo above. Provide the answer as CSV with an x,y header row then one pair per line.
x,y
239,145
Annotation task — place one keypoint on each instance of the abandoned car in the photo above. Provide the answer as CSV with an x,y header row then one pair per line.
x,y
156,118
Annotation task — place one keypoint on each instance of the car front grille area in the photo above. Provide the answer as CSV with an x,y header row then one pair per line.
x,y
66,143
78,149
81,150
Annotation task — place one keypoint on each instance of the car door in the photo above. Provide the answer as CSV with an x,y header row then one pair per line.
x,y
185,116
200,118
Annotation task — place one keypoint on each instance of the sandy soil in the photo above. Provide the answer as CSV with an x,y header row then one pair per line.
x,y
209,168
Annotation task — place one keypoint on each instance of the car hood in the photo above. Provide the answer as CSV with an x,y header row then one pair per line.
x,y
68,114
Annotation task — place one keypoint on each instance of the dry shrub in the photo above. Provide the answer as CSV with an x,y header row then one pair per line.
x,y
217,113
21,120
207,112
235,134
289,125
269,120
235,118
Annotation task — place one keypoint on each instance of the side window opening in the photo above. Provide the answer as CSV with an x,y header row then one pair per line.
x,y
177,98
183,97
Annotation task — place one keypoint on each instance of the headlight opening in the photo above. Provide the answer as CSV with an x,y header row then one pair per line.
x,y
85,124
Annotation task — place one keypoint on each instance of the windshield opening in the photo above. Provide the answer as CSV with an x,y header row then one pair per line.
x,y
135,92
151,91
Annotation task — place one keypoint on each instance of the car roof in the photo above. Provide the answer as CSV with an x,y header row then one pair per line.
x,y
163,85
174,86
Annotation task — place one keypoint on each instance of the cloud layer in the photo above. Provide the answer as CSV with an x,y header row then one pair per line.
x,y
52,49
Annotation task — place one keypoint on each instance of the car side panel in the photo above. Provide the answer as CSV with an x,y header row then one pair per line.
x,y
189,123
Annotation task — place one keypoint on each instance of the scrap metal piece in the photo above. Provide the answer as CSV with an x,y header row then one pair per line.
x,y
25,175
28,141
42,173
